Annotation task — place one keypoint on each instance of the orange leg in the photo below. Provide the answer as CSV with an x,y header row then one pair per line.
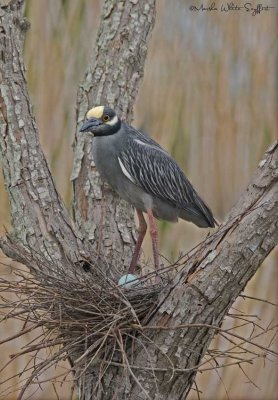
x,y
142,229
154,236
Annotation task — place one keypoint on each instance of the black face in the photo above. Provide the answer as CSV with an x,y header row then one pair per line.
x,y
107,124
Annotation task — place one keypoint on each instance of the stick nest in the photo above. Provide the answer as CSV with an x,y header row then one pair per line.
x,y
86,314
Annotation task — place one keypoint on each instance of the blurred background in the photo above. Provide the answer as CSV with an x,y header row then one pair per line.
x,y
209,96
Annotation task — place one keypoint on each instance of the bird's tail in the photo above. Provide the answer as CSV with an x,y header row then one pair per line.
x,y
199,213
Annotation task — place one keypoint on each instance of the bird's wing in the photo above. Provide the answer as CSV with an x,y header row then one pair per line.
x,y
147,165
142,137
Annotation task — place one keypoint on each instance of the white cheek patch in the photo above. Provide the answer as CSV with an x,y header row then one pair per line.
x,y
113,121
125,172
95,112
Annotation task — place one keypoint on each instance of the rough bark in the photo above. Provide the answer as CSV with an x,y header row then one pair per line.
x,y
205,289
113,79
207,284
38,215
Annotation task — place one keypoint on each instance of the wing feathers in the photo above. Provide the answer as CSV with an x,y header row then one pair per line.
x,y
149,166
125,172
155,171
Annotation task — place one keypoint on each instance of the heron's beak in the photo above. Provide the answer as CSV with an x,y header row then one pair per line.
x,y
90,124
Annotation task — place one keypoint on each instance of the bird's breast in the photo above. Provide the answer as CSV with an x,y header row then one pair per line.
x,y
105,157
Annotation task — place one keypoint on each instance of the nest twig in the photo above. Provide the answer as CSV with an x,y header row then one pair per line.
x,y
88,319
84,314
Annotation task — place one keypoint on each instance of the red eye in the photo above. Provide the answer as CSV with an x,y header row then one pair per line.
x,y
105,118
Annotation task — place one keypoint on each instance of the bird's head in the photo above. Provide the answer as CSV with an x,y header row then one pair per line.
x,y
101,121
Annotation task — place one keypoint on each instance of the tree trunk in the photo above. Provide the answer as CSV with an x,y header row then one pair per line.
x,y
39,218
113,79
164,352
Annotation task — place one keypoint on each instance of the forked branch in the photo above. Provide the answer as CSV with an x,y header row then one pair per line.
x,y
118,340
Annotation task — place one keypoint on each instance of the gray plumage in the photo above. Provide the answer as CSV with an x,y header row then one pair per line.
x,y
142,172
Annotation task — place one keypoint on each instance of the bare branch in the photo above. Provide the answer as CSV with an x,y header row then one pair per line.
x,y
102,328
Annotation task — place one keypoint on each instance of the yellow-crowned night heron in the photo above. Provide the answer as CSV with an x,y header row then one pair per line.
x,y
143,174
